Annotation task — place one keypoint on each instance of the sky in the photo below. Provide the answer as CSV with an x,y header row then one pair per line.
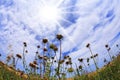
x,y
80,22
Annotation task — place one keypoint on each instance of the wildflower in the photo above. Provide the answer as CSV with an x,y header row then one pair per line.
x,y
37,52
81,60
67,62
40,57
80,67
105,60
38,46
109,49
91,57
19,56
61,61
45,57
70,69
52,46
106,45
45,41
55,61
33,65
52,57
26,51
25,44
35,62
65,57
88,59
69,59
55,49
8,58
59,36
44,49
88,45
117,45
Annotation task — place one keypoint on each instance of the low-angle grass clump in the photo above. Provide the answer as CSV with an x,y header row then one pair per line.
x,y
47,65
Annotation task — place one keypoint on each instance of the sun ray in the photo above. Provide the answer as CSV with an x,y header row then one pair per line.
x,y
65,32
68,12
59,3
63,19
69,7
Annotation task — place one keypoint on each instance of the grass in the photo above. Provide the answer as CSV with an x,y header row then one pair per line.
x,y
110,71
47,66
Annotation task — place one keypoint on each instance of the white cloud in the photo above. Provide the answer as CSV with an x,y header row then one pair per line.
x,y
90,13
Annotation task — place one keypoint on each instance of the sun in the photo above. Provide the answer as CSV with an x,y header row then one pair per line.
x,y
49,14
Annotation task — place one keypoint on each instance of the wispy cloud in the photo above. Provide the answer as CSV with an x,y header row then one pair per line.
x,y
86,21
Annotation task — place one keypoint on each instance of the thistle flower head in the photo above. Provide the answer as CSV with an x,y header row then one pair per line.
x,y
45,49
52,46
33,65
35,62
88,45
25,44
65,57
38,46
91,57
117,45
88,59
67,63
80,67
59,36
80,60
19,56
55,49
70,69
26,51
106,45
61,61
52,57
40,57
45,41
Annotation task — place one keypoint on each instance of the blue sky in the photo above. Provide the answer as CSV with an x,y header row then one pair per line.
x,y
84,21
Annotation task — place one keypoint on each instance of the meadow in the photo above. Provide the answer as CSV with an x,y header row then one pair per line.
x,y
48,66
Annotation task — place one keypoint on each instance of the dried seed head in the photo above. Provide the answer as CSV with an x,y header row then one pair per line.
x,y
40,57
61,61
88,45
52,57
25,44
80,60
80,67
59,36
19,56
88,59
45,49
45,41
55,49
70,69
106,45
33,65
117,45
26,51
35,62
52,46
38,46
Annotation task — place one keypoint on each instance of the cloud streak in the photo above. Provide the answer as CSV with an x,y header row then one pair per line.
x,y
86,21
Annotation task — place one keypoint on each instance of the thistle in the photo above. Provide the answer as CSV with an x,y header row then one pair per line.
x,y
108,50
59,37
92,56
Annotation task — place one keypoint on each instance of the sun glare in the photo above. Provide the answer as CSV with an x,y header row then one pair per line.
x,y
49,14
